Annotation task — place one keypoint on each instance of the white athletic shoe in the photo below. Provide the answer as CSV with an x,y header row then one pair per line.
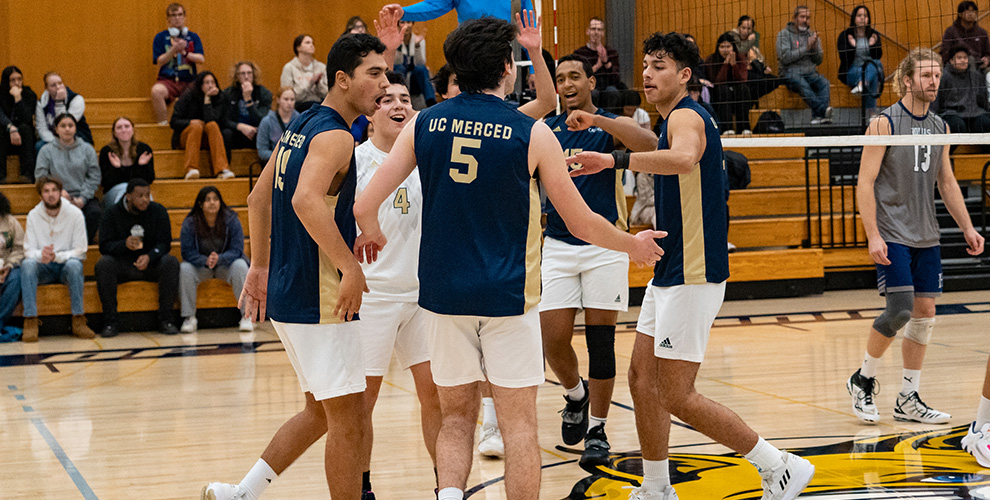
x,y
668,493
857,89
911,408
862,389
246,325
787,481
192,174
189,325
976,442
225,174
491,442
221,491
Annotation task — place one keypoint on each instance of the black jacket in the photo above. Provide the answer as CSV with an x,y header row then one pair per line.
x,y
115,228
110,175
262,98
190,106
847,52
18,113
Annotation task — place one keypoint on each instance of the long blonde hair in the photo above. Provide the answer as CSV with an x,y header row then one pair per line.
x,y
909,65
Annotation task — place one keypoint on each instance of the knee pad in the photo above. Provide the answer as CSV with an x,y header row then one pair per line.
x,y
896,315
601,351
920,330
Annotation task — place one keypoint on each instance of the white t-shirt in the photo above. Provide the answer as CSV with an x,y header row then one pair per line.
x,y
393,277
642,118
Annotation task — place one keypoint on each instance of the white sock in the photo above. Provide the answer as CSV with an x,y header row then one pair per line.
x,y
765,456
869,368
488,412
450,494
257,479
595,422
576,393
983,413
910,381
656,474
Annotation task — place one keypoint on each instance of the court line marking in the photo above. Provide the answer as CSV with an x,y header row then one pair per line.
x,y
64,459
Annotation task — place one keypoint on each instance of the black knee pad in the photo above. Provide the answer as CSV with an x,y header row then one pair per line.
x,y
896,314
601,351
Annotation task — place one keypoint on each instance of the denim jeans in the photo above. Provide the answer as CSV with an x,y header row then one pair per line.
x,y
10,295
870,79
419,80
34,273
813,88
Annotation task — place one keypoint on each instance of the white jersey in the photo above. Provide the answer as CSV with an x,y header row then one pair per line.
x,y
393,277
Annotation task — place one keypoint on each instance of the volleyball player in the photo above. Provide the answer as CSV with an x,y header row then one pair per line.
x,y
976,442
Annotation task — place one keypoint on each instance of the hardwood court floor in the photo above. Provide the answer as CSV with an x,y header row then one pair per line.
x,y
149,416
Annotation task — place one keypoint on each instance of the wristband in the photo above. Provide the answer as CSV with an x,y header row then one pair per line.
x,y
621,160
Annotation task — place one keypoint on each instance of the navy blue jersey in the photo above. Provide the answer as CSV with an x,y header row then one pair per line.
x,y
480,249
303,284
602,192
692,209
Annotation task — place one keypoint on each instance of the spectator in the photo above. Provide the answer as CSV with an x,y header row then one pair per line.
x,y
965,32
749,38
962,96
467,10
11,255
727,68
56,100
135,239
123,159
603,60
17,104
74,163
446,83
410,62
859,57
274,125
306,75
355,25
249,103
176,51
643,212
54,248
698,72
800,52
631,102
202,112
212,247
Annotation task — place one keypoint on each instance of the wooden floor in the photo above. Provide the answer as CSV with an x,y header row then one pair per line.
x,y
149,416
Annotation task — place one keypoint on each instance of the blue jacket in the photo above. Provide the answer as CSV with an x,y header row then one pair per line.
x,y
466,9
233,245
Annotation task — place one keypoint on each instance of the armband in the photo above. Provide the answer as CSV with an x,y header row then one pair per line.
x,y
621,160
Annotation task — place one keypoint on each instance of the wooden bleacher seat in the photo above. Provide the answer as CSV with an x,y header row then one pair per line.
x,y
105,111
969,167
176,216
170,163
133,296
173,193
802,263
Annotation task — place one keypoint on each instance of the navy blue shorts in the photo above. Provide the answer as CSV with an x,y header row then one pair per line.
x,y
917,270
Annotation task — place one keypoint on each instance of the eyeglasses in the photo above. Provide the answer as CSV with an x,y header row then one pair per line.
x,y
245,73
177,14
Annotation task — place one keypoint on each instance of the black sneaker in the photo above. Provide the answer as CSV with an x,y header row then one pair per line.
x,y
367,495
595,449
109,331
575,418
168,328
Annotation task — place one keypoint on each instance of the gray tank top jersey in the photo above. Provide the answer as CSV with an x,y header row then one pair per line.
x,y
905,186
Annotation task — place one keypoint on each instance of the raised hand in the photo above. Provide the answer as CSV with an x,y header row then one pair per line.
x,y
114,159
246,89
529,32
254,294
591,163
145,158
15,92
852,40
387,27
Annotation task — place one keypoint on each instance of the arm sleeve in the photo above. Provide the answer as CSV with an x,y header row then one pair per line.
x,y
111,243
157,49
146,172
4,122
262,105
286,80
817,53
17,251
785,52
427,10
43,164
263,140
24,110
180,115
876,50
93,175
32,250
163,236
41,125
187,244
80,243
77,107
235,247
198,46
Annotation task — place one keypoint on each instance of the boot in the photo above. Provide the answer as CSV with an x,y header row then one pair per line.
x,y
81,329
30,330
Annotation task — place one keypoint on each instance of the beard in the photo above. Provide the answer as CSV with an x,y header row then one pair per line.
x,y
53,206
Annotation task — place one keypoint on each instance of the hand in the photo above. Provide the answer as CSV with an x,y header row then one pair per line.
x,y
254,294
133,243
602,54
395,6
984,62
352,287
4,273
387,27
878,251
60,94
78,201
873,39
366,247
706,83
731,59
145,158
114,160
179,45
645,250
767,70
66,195
142,262
529,33
47,254
247,130
246,89
213,91
15,92
578,119
852,40
974,240
591,163
316,78
212,259
15,137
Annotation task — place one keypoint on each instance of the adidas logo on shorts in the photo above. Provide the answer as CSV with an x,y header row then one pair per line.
x,y
666,343
618,298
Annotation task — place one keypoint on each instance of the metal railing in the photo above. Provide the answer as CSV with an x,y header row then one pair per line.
x,y
830,195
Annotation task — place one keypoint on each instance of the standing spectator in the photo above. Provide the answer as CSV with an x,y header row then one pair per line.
x,y
410,62
56,100
274,125
727,68
962,96
749,38
212,242
176,51
799,51
355,25
202,112
603,60
306,75
54,248
122,159
135,239
74,163
965,32
17,104
860,49
249,102
11,255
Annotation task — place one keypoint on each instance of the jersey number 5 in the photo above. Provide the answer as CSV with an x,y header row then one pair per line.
x,y
281,161
456,156
922,157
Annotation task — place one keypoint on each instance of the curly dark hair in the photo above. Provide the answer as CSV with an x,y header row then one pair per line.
x,y
349,51
477,52
441,80
588,68
4,206
675,46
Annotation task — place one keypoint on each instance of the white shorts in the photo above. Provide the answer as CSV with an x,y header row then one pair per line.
x,y
392,326
327,358
583,276
685,314
463,349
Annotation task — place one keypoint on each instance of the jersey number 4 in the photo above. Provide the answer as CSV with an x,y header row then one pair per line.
x,y
401,200
457,156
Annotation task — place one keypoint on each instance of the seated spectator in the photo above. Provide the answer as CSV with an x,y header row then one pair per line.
x,y
631,102
698,72
11,256
966,33
445,83
74,163
355,25
212,247
56,100
250,101
17,104
410,62
273,126
122,159
202,112
306,75
749,38
54,248
962,96
135,239
800,52
727,68
176,51
643,211
860,49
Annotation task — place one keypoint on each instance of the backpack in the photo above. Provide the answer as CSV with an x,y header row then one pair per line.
x,y
770,122
737,169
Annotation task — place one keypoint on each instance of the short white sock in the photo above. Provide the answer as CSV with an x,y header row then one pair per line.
x,y
656,474
983,413
910,381
765,456
595,422
488,412
450,494
869,368
257,479
576,393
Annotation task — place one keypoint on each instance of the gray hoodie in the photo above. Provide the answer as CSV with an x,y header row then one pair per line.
x,y
794,52
962,93
74,165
